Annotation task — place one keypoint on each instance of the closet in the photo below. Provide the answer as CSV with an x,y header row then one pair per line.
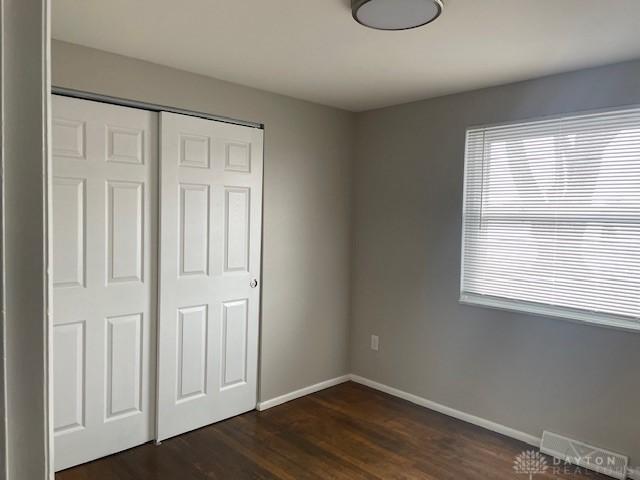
x,y
156,260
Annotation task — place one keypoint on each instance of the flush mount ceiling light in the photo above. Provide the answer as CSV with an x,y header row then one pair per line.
x,y
395,14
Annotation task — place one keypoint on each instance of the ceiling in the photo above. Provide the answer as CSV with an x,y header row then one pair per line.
x,y
313,50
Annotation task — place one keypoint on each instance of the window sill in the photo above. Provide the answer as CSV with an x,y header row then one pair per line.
x,y
530,308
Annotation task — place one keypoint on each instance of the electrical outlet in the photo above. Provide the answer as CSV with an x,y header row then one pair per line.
x,y
375,342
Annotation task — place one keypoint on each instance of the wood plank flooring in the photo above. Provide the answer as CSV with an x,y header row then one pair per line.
x,y
346,432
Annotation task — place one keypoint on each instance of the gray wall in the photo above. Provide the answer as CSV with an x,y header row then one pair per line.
x,y
306,246
528,373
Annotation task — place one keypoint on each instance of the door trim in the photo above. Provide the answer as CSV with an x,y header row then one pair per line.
x,y
97,97
24,187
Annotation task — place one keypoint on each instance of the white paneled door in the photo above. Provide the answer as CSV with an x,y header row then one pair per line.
x,y
211,203
106,246
104,278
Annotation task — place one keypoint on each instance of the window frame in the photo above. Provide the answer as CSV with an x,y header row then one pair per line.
x,y
574,315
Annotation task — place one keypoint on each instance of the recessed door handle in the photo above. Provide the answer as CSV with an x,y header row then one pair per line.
x,y
253,283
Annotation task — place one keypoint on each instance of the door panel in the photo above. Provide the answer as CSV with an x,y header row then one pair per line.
x,y
234,342
104,271
194,229
124,221
69,232
68,379
192,353
211,191
236,244
124,345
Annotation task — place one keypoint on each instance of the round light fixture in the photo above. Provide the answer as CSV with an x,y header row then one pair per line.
x,y
395,14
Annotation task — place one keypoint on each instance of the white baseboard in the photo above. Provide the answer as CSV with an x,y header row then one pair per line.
x,y
287,397
451,412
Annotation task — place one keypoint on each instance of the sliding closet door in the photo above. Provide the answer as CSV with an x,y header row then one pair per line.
x,y
104,278
211,203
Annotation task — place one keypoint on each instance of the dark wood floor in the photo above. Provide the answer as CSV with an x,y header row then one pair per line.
x,y
345,432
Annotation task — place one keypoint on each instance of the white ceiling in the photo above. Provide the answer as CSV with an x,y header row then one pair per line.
x,y
313,50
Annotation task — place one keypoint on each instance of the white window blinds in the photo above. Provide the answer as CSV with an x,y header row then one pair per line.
x,y
551,221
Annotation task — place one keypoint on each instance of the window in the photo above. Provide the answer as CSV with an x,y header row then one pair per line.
x,y
551,221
